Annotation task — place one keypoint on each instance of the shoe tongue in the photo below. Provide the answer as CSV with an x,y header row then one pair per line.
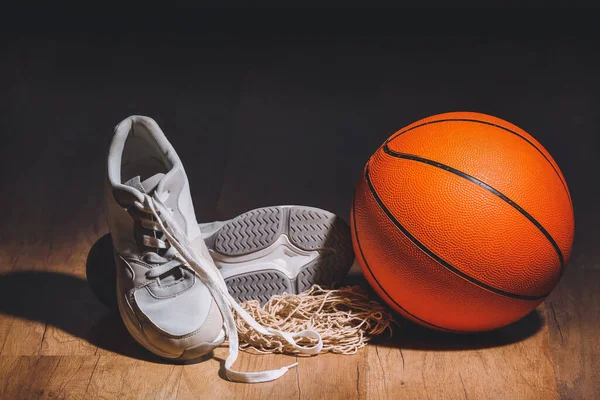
x,y
148,185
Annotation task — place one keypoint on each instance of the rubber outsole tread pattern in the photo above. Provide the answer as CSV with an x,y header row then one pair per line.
x,y
258,286
250,232
309,229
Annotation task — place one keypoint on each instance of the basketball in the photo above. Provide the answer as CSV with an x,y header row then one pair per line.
x,y
462,222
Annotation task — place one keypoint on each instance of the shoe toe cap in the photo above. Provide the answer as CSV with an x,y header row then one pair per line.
x,y
190,345
179,324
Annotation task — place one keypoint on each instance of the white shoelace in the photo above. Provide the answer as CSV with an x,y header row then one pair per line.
x,y
210,276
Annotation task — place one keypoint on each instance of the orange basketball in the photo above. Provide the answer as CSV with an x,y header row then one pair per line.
x,y
462,222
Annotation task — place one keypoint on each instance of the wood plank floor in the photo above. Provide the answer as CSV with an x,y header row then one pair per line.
x,y
259,124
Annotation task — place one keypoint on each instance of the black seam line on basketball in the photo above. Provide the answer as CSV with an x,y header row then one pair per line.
x,y
564,184
362,254
437,258
488,188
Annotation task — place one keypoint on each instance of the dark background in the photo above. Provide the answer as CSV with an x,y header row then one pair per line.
x,y
285,106
276,107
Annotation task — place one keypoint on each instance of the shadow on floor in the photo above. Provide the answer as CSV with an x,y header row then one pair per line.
x,y
412,336
101,279
66,302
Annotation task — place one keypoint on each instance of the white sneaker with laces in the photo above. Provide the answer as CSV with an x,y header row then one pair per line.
x,y
170,294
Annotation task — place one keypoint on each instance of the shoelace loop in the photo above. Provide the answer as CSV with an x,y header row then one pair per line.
x,y
208,273
162,264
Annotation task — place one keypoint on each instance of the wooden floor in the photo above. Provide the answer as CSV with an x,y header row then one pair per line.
x,y
258,124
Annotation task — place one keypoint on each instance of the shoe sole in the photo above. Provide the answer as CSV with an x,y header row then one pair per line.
x,y
272,250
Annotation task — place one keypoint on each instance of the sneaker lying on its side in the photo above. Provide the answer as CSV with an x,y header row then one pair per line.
x,y
170,294
272,250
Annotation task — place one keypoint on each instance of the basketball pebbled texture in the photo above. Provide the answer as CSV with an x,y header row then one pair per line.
x,y
462,222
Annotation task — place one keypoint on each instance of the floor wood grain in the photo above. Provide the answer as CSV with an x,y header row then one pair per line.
x,y
258,124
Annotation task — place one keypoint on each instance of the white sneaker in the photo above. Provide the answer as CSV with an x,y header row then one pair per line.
x,y
170,294
272,250
164,305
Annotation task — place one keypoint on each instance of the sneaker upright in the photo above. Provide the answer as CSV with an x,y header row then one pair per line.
x,y
163,303
171,296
